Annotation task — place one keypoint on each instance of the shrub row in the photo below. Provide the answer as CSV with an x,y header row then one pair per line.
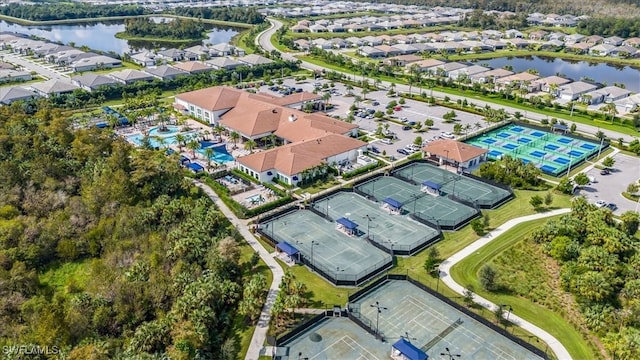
x,y
362,170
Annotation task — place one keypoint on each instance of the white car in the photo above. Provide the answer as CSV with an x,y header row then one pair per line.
x,y
601,203
447,135
386,141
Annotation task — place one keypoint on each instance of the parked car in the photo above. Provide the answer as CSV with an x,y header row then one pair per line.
x,y
605,172
386,141
406,127
371,111
600,203
403,151
374,150
447,135
375,103
397,108
411,123
404,119
612,206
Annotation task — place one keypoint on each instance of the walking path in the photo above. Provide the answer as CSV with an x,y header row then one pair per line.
x,y
260,334
445,269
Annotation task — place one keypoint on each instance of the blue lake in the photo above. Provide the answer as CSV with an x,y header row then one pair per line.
x,y
575,70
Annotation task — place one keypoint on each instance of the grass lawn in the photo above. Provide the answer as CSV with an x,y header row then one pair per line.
x,y
466,271
240,39
319,187
72,274
552,54
125,65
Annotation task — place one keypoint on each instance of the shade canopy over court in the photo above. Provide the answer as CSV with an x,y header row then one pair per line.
x,y
348,224
393,203
287,248
431,184
408,350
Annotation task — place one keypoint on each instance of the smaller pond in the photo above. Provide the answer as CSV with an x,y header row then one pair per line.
x,y
575,70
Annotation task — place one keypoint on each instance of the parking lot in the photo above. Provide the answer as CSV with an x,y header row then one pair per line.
x,y
412,112
608,188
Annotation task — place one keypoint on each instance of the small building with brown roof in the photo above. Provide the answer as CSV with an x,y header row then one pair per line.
x,y
193,67
451,152
291,163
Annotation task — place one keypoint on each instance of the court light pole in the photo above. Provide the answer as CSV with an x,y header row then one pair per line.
x,y
509,308
313,243
449,354
436,270
379,309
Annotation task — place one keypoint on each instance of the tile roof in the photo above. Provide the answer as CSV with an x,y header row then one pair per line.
x,y
10,94
54,86
454,150
213,98
192,66
296,157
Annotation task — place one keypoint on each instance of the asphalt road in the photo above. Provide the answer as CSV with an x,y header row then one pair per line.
x,y
264,41
30,66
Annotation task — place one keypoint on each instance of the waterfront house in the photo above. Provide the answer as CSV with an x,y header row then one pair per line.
x,y
171,54
425,65
574,90
91,81
606,94
489,76
145,58
613,40
601,49
201,52
624,51
549,84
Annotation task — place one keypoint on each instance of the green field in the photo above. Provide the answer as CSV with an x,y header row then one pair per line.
x,y
524,271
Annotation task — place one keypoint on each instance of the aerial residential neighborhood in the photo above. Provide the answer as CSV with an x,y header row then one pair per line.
x,y
290,179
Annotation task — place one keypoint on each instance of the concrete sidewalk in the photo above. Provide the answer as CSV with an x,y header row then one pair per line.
x,y
256,348
445,269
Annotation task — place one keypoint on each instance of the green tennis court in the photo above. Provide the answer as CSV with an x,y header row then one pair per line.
x,y
341,257
463,187
435,209
433,325
394,232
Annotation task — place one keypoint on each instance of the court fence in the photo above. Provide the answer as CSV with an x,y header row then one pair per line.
x,y
353,310
338,278
386,244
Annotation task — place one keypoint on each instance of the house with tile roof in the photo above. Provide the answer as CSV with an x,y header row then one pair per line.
x,y
91,81
451,152
574,90
193,67
53,87
165,72
10,94
289,163
129,76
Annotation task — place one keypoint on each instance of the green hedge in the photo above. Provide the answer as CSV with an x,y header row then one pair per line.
x,y
268,206
362,170
242,175
275,189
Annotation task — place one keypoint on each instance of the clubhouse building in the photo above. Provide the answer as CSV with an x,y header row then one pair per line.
x,y
309,140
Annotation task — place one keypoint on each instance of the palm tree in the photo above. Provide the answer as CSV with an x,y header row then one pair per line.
x,y
162,142
182,141
365,91
193,145
249,145
272,138
326,97
611,109
234,137
209,153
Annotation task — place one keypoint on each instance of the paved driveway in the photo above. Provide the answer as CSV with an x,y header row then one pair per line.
x,y
30,65
609,187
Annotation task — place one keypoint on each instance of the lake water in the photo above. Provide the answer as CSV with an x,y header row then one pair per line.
x,y
101,36
575,70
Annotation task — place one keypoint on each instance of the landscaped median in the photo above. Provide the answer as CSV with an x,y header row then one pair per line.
x,y
531,269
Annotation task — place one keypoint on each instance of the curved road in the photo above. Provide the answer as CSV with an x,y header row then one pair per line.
x,y
263,40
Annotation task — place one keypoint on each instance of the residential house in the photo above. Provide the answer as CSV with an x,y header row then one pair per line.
x,y
513,34
624,51
222,49
317,28
98,62
406,49
425,65
593,40
146,58
371,52
301,44
91,81
371,41
614,40
64,57
299,28
489,76
193,67
634,41
322,43
10,94
129,76
557,36
446,68
354,41
538,35
424,48
552,45
171,54
335,28
6,65
389,50
466,72
254,60
402,60
574,90
223,63
492,34
578,48
573,38
10,75
519,80
518,43
355,27
625,105
165,72
606,94
201,52
495,44
462,156
601,50
53,87
549,84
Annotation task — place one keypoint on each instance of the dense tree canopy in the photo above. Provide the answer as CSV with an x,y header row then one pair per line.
x,y
511,171
600,266
610,26
69,10
247,15
106,252
172,29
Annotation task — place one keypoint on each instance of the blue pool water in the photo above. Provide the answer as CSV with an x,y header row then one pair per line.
x,y
138,139
220,154
171,129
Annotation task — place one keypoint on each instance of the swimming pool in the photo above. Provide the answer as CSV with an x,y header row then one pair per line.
x,y
220,154
155,141
554,154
